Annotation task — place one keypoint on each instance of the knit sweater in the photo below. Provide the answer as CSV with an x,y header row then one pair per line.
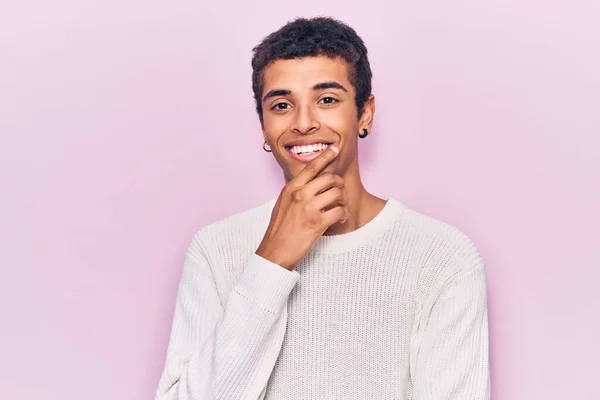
x,y
396,309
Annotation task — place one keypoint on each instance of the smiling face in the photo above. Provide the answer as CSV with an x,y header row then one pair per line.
x,y
311,101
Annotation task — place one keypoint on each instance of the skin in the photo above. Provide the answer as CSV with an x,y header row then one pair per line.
x,y
296,106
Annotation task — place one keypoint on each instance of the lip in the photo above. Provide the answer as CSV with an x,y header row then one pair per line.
x,y
305,157
305,142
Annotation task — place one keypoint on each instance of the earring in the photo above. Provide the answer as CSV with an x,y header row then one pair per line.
x,y
364,134
265,149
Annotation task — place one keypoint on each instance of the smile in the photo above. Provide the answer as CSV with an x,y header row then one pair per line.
x,y
306,153
311,148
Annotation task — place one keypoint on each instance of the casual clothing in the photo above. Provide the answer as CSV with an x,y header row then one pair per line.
x,y
396,309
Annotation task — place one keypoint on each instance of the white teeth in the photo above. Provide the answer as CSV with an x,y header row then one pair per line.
x,y
308,148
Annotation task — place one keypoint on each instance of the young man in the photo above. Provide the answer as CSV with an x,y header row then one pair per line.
x,y
327,292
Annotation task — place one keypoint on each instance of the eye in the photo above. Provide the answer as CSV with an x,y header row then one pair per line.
x,y
280,106
328,100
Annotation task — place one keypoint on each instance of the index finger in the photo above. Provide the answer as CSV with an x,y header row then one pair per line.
x,y
315,166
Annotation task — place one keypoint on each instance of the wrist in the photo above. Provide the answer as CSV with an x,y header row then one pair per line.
x,y
274,258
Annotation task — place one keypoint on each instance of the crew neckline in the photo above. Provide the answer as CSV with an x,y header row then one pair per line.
x,y
358,237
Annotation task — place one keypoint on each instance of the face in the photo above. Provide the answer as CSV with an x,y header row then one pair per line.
x,y
311,100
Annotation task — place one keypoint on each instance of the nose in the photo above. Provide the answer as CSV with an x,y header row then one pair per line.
x,y
305,121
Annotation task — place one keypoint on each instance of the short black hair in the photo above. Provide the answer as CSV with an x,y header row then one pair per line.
x,y
312,37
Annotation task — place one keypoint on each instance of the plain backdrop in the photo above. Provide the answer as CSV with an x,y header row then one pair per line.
x,y
127,126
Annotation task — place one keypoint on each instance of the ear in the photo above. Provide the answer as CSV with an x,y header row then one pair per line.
x,y
366,119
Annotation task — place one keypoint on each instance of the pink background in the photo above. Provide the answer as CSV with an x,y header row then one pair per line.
x,y
126,126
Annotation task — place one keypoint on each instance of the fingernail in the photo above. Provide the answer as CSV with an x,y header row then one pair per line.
x,y
334,149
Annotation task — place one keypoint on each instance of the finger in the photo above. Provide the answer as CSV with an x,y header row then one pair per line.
x,y
313,168
332,197
339,213
323,182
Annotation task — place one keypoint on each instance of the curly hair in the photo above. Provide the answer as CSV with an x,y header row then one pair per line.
x,y
312,37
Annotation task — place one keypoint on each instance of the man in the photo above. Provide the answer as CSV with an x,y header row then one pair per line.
x,y
327,292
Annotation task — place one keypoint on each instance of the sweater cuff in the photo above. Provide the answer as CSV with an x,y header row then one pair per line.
x,y
266,284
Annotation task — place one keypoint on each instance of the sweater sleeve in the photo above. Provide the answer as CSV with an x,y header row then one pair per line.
x,y
225,351
452,360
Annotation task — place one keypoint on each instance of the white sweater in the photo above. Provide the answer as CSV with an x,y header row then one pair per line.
x,y
396,309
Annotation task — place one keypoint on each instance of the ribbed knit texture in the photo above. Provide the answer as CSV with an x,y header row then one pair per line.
x,y
396,309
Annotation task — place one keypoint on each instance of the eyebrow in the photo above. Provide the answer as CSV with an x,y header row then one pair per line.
x,y
317,87
329,85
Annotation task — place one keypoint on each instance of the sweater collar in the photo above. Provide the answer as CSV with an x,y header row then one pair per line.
x,y
386,217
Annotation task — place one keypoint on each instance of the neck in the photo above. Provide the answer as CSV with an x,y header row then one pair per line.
x,y
363,205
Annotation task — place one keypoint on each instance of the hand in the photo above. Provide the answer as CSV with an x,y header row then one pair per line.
x,y
307,205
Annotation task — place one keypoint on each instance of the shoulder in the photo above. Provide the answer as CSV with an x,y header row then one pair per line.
x,y
236,229
445,240
445,252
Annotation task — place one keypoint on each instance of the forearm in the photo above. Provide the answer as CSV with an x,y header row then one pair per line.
x,y
234,360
